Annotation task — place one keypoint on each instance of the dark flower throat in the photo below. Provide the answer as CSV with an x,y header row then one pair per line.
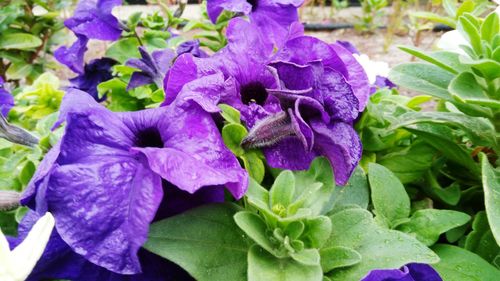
x,y
255,92
149,137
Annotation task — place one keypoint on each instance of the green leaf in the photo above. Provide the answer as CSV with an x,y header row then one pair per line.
x,y
389,196
124,49
306,257
230,114
409,163
379,247
233,134
486,68
254,165
356,191
429,58
17,71
19,41
255,228
435,17
481,241
441,137
424,78
320,172
282,191
335,257
450,7
465,88
26,173
459,264
466,7
204,241
468,29
264,266
478,129
490,27
426,225
491,186
119,98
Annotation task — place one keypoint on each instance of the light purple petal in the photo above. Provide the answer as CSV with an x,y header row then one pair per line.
x,y
138,79
356,76
72,57
183,71
341,145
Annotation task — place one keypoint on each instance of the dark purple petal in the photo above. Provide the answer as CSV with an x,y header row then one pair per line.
x,y
383,82
409,272
356,76
338,97
341,145
96,72
215,7
289,154
72,57
93,19
6,99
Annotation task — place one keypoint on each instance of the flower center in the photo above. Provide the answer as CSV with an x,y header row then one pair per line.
x,y
254,4
149,137
253,92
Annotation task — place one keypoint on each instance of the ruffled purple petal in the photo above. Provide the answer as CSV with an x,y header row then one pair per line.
x,y
340,144
6,99
215,7
338,97
93,19
356,76
348,46
72,57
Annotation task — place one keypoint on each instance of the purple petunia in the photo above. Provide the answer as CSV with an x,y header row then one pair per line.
x,y
96,72
153,67
409,272
92,19
274,17
299,102
6,99
105,181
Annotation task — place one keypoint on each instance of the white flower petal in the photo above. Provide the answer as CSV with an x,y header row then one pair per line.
x,y
373,68
26,255
450,41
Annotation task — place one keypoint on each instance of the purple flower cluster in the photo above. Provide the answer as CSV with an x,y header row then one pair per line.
x,y
112,174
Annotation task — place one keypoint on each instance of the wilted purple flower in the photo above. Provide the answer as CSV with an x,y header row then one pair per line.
x,y
153,67
59,261
105,180
96,72
192,47
274,17
409,272
6,99
299,103
92,19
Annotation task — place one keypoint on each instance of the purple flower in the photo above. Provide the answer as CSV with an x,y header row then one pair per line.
x,y
153,67
105,180
299,102
274,17
92,19
193,47
60,262
6,99
96,72
409,272
348,46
